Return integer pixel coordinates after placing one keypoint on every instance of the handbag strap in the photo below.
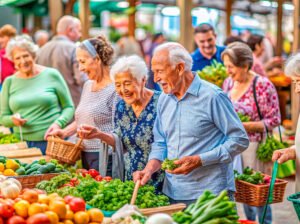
(256, 102)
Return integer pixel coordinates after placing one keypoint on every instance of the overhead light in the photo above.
(123, 4)
(170, 11)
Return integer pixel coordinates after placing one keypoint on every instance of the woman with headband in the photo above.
(97, 102)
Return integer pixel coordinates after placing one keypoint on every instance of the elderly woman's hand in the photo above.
(88, 132)
(17, 120)
(284, 155)
(54, 130)
(186, 165)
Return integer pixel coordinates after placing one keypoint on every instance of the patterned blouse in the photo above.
(96, 109)
(267, 100)
(136, 136)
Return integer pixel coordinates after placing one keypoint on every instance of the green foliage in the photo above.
(249, 176)
(243, 118)
(168, 164)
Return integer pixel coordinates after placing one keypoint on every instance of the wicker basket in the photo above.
(30, 181)
(295, 198)
(256, 195)
(63, 151)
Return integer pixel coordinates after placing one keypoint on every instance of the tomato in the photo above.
(83, 172)
(74, 181)
(6, 210)
(98, 178)
(16, 220)
(93, 173)
(67, 185)
(77, 204)
(107, 178)
(39, 218)
(68, 198)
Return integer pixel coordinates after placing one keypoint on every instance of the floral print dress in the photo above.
(137, 137)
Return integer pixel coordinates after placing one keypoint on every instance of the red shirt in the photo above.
(7, 67)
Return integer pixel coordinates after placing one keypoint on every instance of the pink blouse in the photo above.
(267, 100)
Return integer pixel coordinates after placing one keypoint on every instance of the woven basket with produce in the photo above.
(252, 188)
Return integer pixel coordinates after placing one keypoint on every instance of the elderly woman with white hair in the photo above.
(35, 100)
(292, 69)
(134, 117)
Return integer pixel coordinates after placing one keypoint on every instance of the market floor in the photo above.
(282, 212)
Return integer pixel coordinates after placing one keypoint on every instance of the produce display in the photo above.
(106, 194)
(35, 207)
(215, 73)
(209, 209)
(265, 151)
(243, 118)
(250, 176)
(13, 167)
(168, 164)
(8, 138)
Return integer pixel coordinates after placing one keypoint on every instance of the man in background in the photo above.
(41, 37)
(60, 52)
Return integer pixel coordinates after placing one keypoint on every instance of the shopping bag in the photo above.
(286, 169)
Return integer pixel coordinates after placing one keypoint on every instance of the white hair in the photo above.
(40, 34)
(22, 41)
(132, 64)
(292, 65)
(65, 22)
(177, 54)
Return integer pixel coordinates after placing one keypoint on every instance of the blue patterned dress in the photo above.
(136, 136)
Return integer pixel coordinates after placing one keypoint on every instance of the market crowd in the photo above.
(135, 109)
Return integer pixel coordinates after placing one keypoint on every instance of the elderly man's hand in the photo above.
(186, 165)
(284, 155)
(144, 176)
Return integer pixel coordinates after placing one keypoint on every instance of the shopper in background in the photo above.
(205, 38)
(60, 53)
(35, 100)
(7, 32)
(41, 37)
(97, 103)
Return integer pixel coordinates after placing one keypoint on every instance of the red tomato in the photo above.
(16, 220)
(1, 221)
(39, 218)
(68, 198)
(93, 173)
(98, 178)
(6, 210)
(83, 172)
(107, 178)
(77, 204)
(74, 181)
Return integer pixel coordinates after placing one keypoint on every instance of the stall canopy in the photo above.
(27, 7)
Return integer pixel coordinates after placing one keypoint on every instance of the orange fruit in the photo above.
(68, 222)
(45, 207)
(81, 217)
(95, 215)
(59, 208)
(69, 215)
(31, 196)
(21, 208)
(35, 208)
(52, 216)
(43, 199)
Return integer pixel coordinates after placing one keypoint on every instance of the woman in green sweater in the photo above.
(35, 100)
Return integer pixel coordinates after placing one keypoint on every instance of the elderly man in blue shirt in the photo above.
(207, 51)
(195, 123)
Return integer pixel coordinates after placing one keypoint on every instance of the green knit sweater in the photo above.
(42, 100)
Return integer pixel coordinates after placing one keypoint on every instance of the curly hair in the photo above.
(103, 49)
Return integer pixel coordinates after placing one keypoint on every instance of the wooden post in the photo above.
(69, 7)
(228, 16)
(84, 14)
(55, 11)
(131, 18)
(186, 28)
(279, 28)
(295, 107)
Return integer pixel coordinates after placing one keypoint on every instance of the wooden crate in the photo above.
(170, 209)
(19, 145)
(21, 153)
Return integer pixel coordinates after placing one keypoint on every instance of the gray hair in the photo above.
(177, 54)
(40, 34)
(240, 54)
(65, 22)
(132, 64)
(292, 65)
(22, 41)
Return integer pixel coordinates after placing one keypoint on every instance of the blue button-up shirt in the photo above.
(199, 61)
(202, 123)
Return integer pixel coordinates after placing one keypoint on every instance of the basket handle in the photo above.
(270, 192)
(78, 143)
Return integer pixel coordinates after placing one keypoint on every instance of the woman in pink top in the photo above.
(240, 87)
